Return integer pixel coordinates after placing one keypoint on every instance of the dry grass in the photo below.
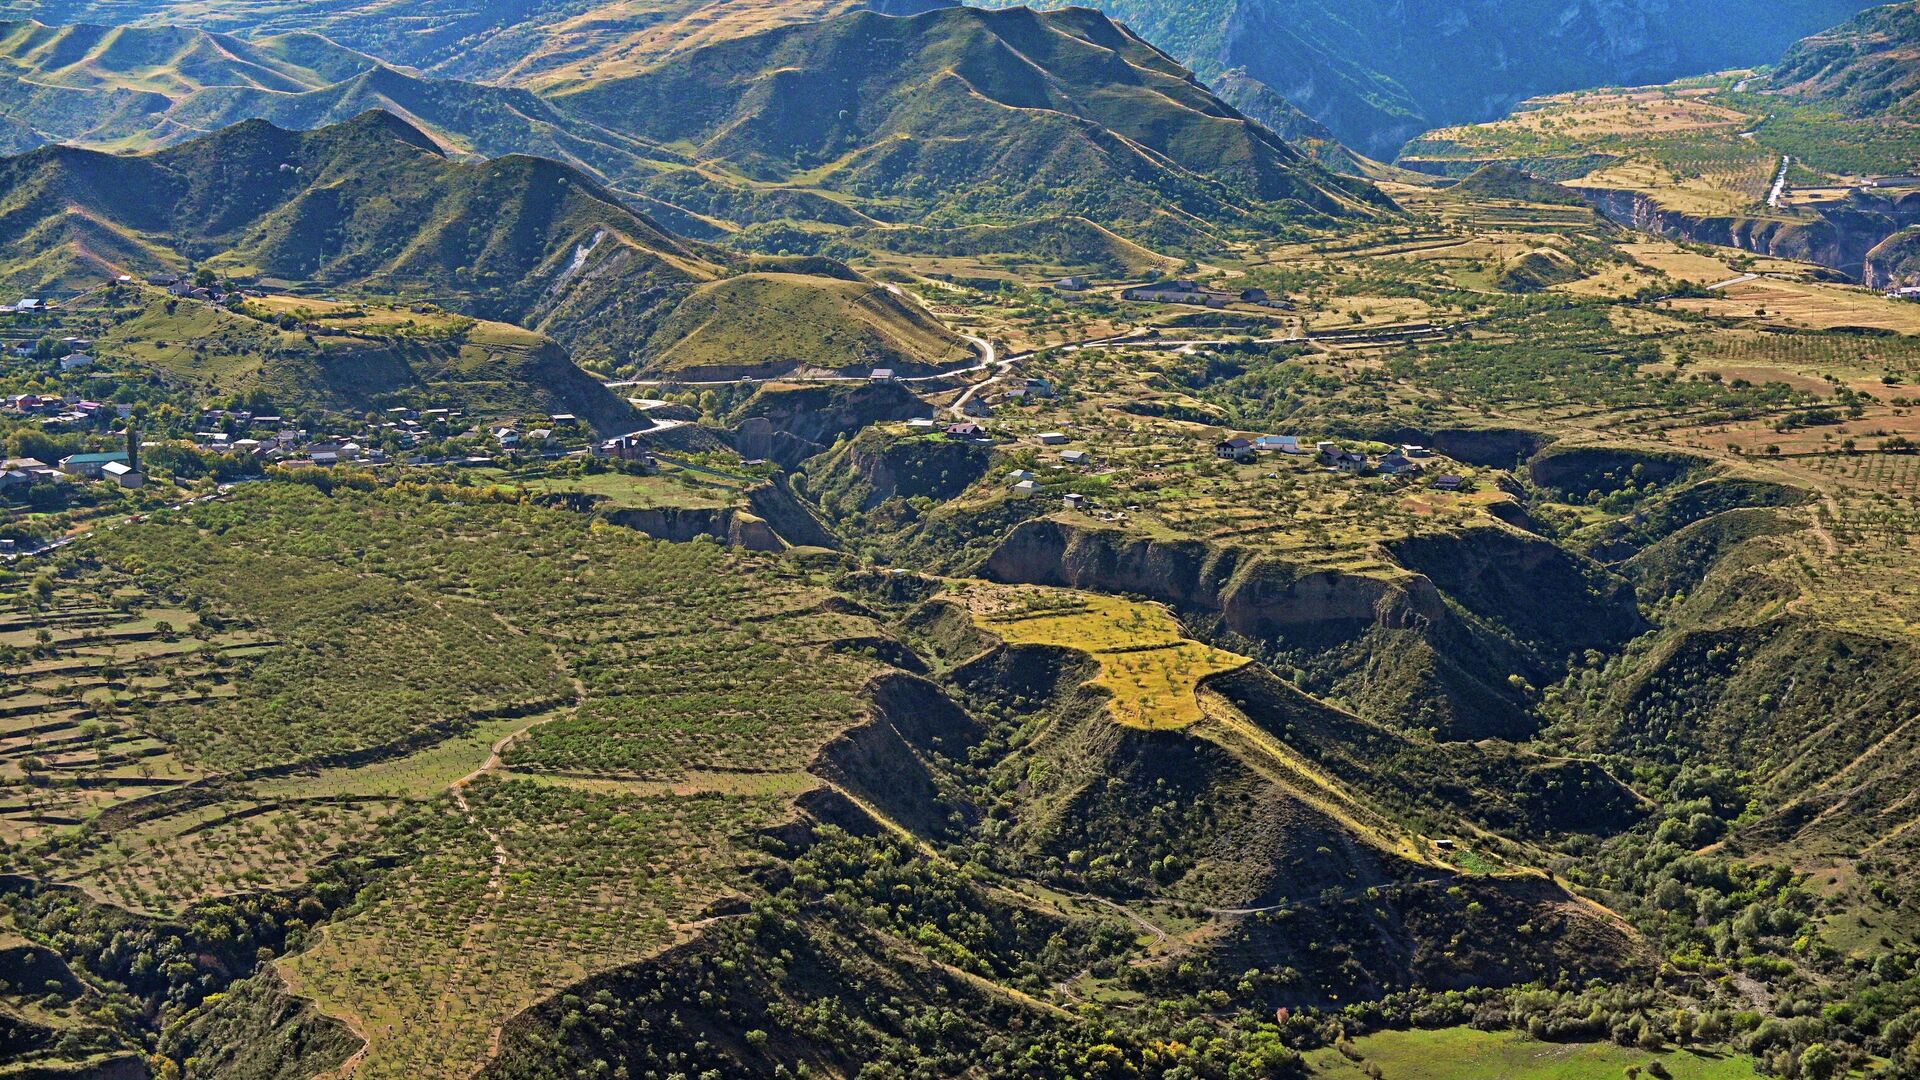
(1808, 305)
(1146, 661)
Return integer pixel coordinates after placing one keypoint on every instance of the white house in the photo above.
(123, 474)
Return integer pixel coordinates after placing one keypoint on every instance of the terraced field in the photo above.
(616, 718)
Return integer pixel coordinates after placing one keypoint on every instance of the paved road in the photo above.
(1730, 282)
(1779, 183)
(988, 357)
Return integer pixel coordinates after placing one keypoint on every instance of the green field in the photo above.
(1469, 1054)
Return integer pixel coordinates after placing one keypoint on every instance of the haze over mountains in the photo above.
(1355, 66)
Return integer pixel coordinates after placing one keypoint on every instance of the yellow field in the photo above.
(1149, 665)
(1809, 304)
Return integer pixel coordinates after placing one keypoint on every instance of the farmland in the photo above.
(1462, 1054)
(552, 685)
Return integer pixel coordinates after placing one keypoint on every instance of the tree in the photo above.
(1818, 1062)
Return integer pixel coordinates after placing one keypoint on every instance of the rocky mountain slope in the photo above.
(1379, 74)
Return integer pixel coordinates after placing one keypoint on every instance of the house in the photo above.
(1071, 284)
(13, 478)
(161, 279)
(540, 436)
(922, 423)
(123, 474)
(965, 431)
(1169, 292)
(1253, 296)
(1052, 438)
(1415, 451)
(1398, 464)
(1278, 444)
(75, 362)
(1907, 292)
(1020, 474)
(976, 407)
(558, 420)
(1448, 482)
(1076, 457)
(625, 448)
(1038, 388)
(31, 304)
(180, 288)
(881, 374)
(1073, 501)
(1026, 489)
(33, 467)
(1234, 449)
(90, 465)
(1327, 450)
(1350, 462)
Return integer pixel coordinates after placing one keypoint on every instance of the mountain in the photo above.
(144, 86)
(959, 116)
(1087, 121)
(371, 204)
(1376, 75)
(1807, 160)
(1379, 74)
(1867, 66)
(520, 41)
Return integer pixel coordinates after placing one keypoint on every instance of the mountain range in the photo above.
(853, 125)
(374, 202)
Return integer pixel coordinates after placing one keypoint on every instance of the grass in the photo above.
(1146, 660)
(1808, 305)
(773, 323)
(622, 491)
(1468, 1054)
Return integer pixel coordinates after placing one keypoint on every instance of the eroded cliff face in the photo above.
(735, 528)
(1255, 594)
(1435, 638)
(1894, 262)
(1840, 236)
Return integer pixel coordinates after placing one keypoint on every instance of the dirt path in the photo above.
(497, 874)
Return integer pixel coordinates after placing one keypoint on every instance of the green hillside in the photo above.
(373, 204)
(484, 370)
(767, 323)
(1866, 66)
(960, 116)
